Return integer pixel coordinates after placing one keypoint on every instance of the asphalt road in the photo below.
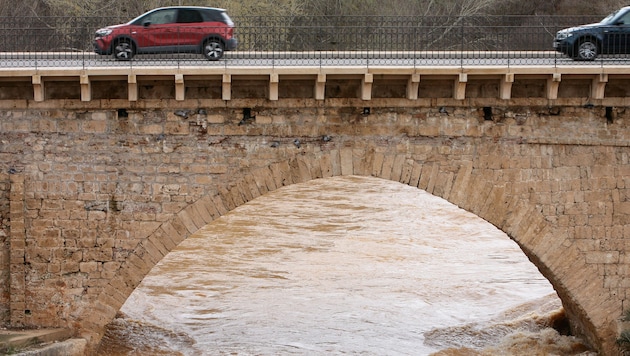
(311, 59)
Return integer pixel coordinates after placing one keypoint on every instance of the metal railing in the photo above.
(319, 41)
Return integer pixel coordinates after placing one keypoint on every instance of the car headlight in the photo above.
(563, 35)
(103, 32)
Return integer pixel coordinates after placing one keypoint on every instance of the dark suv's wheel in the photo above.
(123, 50)
(586, 49)
(213, 49)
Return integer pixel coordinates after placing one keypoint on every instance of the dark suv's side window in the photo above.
(625, 20)
(189, 16)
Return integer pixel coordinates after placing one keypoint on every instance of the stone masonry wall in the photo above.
(100, 179)
(5, 189)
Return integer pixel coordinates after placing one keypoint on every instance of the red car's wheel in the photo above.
(213, 49)
(123, 50)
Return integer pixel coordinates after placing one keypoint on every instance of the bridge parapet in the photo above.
(570, 85)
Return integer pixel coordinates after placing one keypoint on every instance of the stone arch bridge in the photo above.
(103, 172)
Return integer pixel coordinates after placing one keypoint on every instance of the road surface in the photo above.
(309, 59)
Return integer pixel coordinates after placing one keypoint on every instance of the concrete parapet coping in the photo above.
(6, 73)
(89, 55)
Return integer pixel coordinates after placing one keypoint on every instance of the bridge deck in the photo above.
(220, 82)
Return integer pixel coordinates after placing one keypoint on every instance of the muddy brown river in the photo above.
(343, 266)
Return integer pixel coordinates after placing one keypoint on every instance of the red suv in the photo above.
(178, 29)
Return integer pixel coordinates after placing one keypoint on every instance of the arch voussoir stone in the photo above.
(416, 170)
(315, 166)
(495, 206)
(429, 175)
(274, 180)
(376, 163)
(200, 213)
(300, 171)
(186, 218)
(471, 193)
(109, 303)
(325, 165)
(139, 261)
(154, 253)
(346, 160)
(397, 168)
(226, 196)
(219, 205)
(280, 172)
(243, 191)
(388, 164)
(175, 229)
(361, 161)
(444, 184)
(335, 162)
(263, 179)
(235, 192)
(162, 237)
(518, 211)
(405, 174)
(252, 186)
(532, 224)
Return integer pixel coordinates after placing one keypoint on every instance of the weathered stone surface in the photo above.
(91, 199)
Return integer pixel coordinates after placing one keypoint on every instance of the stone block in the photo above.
(602, 257)
(263, 120)
(176, 128)
(216, 119)
(45, 125)
(89, 267)
(152, 129)
(95, 127)
(69, 267)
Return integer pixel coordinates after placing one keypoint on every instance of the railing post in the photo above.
(461, 50)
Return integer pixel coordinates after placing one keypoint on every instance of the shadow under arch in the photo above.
(547, 246)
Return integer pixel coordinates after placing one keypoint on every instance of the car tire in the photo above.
(213, 49)
(586, 50)
(123, 50)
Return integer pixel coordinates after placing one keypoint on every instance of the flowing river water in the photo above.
(344, 265)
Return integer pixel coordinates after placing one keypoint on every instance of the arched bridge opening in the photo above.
(548, 248)
(342, 264)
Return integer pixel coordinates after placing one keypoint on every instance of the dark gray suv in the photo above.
(609, 36)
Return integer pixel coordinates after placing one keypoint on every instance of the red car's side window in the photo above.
(189, 16)
(161, 17)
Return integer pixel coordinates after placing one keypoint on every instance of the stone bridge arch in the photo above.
(546, 243)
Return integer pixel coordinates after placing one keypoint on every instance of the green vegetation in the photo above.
(624, 338)
(11, 350)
